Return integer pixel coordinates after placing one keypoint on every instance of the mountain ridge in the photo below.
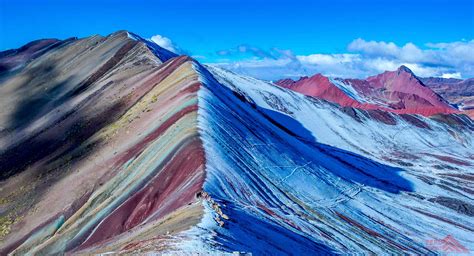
(130, 153)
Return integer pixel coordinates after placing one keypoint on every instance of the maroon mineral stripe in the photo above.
(106, 67)
(369, 231)
(449, 159)
(162, 72)
(412, 119)
(190, 90)
(137, 245)
(382, 116)
(358, 225)
(140, 146)
(273, 214)
(165, 189)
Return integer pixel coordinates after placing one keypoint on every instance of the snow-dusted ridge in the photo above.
(159, 51)
(298, 175)
(348, 89)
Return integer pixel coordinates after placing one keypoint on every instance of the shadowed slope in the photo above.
(111, 165)
(11, 60)
(59, 87)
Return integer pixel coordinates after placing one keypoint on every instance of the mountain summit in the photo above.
(405, 69)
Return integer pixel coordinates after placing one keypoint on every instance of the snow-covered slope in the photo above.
(298, 175)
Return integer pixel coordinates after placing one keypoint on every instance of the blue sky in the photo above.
(214, 30)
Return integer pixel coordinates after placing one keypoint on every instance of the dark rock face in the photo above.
(455, 204)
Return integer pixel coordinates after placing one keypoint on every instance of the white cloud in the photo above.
(456, 75)
(364, 58)
(267, 69)
(423, 71)
(409, 52)
(453, 54)
(166, 43)
(328, 59)
(456, 53)
(373, 47)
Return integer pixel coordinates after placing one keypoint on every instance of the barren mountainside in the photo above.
(456, 91)
(398, 91)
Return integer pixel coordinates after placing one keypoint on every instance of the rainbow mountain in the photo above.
(114, 145)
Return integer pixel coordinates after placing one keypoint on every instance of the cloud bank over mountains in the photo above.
(363, 58)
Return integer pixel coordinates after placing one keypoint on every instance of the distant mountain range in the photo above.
(456, 91)
(115, 145)
(399, 91)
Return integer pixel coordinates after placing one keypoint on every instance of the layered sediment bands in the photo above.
(172, 187)
(298, 183)
(128, 178)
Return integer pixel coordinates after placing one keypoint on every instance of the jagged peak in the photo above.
(405, 69)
